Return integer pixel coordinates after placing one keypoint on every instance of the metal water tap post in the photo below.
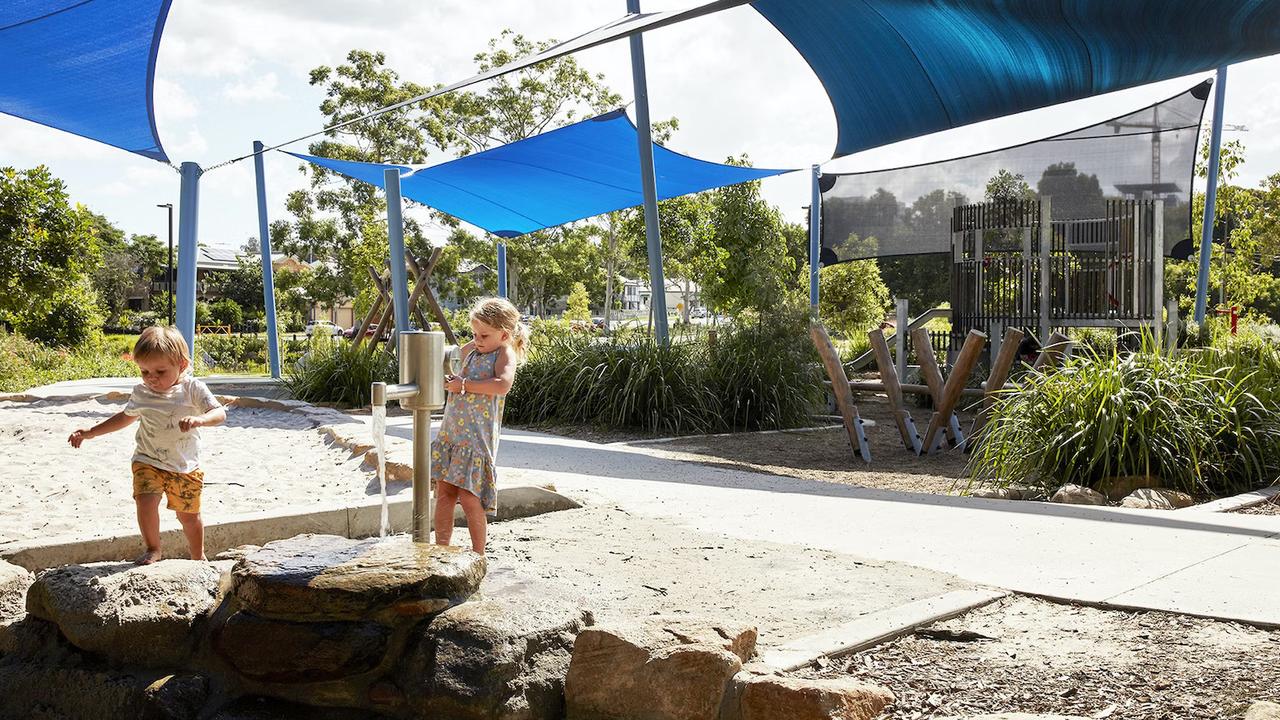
(423, 358)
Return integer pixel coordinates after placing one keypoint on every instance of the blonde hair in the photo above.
(162, 340)
(500, 314)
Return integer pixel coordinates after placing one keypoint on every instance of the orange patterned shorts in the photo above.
(181, 489)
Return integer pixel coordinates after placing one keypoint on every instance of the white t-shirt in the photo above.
(160, 443)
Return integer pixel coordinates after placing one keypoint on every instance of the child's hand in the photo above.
(453, 383)
(189, 422)
(78, 437)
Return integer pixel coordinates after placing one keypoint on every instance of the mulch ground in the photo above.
(1028, 655)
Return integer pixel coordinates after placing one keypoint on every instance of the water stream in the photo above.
(380, 445)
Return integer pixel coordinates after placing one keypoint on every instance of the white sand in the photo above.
(260, 459)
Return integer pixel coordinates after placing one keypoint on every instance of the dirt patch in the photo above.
(826, 455)
(1027, 655)
(630, 566)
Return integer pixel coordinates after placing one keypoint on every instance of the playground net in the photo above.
(1145, 154)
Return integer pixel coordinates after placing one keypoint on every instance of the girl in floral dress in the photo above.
(464, 452)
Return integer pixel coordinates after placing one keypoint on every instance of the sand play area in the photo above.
(260, 459)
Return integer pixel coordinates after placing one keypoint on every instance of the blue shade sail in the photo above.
(84, 66)
(575, 172)
(896, 69)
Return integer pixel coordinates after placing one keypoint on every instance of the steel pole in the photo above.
(395, 234)
(268, 272)
(188, 252)
(644, 141)
(1210, 195)
(502, 269)
(815, 238)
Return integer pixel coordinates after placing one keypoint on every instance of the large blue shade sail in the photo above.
(84, 66)
(579, 171)
(896, 69)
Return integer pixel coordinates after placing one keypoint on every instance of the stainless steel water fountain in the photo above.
(423, 358)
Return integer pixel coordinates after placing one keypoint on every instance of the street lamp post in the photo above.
(168, 278)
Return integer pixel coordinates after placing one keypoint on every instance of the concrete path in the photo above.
(1210, 564)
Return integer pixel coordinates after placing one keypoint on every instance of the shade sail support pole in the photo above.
(502, 269)
(188, 251)
(395, 236)
(815, 238)
(1210, 195)
(268, 272)
(644, 141)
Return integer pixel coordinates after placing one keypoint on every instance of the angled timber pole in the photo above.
(188, 251)
(657, 282)
(1210, 196)
(268, 273)
(815, 239)
(395, 235)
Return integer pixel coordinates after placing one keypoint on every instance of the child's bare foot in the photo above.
(148, 557)
(200, 558)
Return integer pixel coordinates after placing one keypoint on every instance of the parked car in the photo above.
(698, 312)
(323, 327)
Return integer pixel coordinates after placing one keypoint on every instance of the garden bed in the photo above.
(1027, 655)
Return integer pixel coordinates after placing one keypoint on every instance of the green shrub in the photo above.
(340, 372)
(1205, 422)
(70, 319)
(25, 363)
(226, 312)
(754, 376)
(244, 353)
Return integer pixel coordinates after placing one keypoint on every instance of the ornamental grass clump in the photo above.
(751, 377)
(340, 372)
(1196, 421)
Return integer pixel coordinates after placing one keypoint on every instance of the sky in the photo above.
(234, 71)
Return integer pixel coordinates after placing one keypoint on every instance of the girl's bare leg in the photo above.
(446, 498)
(477, 523)
(149, 524)
(193, 528)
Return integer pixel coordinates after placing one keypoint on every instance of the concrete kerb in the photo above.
(1236, 502)
(355, 521)
(877, 627)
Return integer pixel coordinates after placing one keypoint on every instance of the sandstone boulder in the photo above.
(28, 690)
(1157, 499)
(327, 577)
(1263, 710)
(14, 582)
(1017, 716)
(282, 651)
(1120, 486)
(129, 614)
(763, 697)
(1078, 495)
(257, 708)
(657, 669)
(502, 657)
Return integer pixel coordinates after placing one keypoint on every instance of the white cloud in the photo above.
(263, 87)
(172, 102)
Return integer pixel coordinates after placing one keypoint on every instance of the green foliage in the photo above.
(1205, 422)
(245, 353)
(340, 372)
(204, 314)
(579, 304)
(851, 297)
(756, 375)
(25, 363)
(49, 248)
(226, 311)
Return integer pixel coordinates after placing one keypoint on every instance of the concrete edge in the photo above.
(1236, 502)
(877, 627)
(1138, 607)
(353, 521)
(677, 438)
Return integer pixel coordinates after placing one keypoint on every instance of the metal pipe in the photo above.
(395, 236)
(1210, 195)
(653, 235)
(188, 252)
(268, 272)
(422, 476)
(815, 238)
(502, 269)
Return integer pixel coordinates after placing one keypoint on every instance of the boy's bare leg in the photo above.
(149, 523)
(193, 528)
(446, 498)
(477, 523)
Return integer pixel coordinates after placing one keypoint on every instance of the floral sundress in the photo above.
(465, 450)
